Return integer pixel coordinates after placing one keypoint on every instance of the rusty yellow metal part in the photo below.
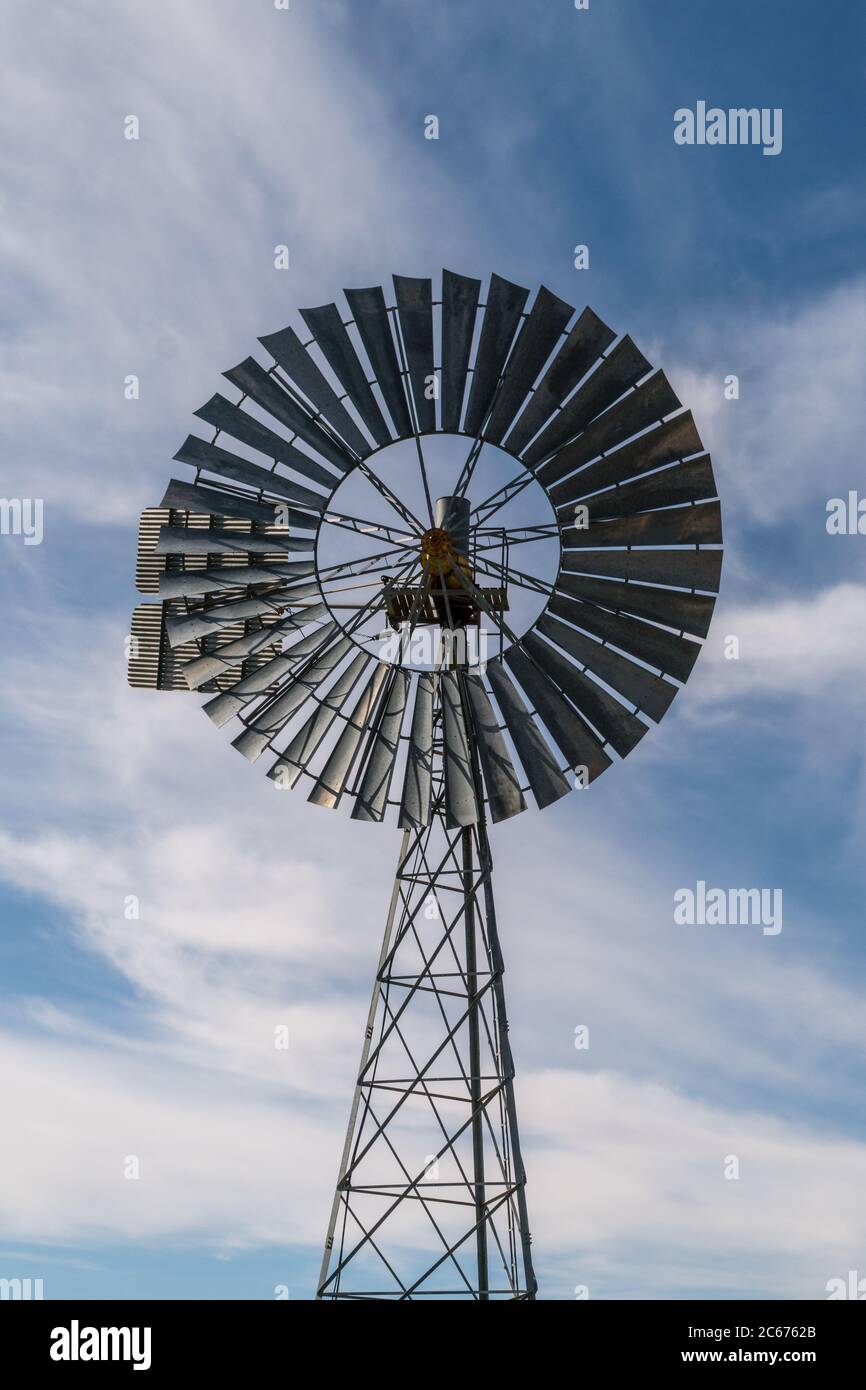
(438, 553)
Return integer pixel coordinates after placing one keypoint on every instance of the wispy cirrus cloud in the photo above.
(795, 436)
(160, 261)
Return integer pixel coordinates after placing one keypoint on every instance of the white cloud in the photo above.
(795, 649)
(795, 436)
(216, 1165)
(623, 1175)
(630, 1178)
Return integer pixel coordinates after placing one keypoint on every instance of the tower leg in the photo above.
(510, 1105)
(474, 1028)
(365, 1052)
(430, 1200)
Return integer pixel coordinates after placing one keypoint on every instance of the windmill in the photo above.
(440, 557)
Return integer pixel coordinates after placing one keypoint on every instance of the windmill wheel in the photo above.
(441, 527)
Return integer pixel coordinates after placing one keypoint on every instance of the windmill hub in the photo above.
(440, 552)
(447, 567)
(437, 550)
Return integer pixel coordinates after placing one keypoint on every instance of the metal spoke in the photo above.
(417, 607)
(391, 497)
(348, 588)
(363, 566)
(469, 465)
(361, 464)
(501, 497)
(478, 598)
(424, 479)
(413, 413)
(348, 629)
(519, 535)
(374, 529)
(521, 579)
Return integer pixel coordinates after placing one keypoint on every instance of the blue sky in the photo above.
(260, 127)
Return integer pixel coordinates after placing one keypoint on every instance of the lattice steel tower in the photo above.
(340, 582)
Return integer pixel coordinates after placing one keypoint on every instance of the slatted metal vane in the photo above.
(250, 614)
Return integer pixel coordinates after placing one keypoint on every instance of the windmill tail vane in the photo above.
(545, 518)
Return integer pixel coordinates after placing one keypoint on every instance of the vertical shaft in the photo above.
(475, 1063)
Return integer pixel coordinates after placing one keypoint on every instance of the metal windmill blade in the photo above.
(410, 641)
